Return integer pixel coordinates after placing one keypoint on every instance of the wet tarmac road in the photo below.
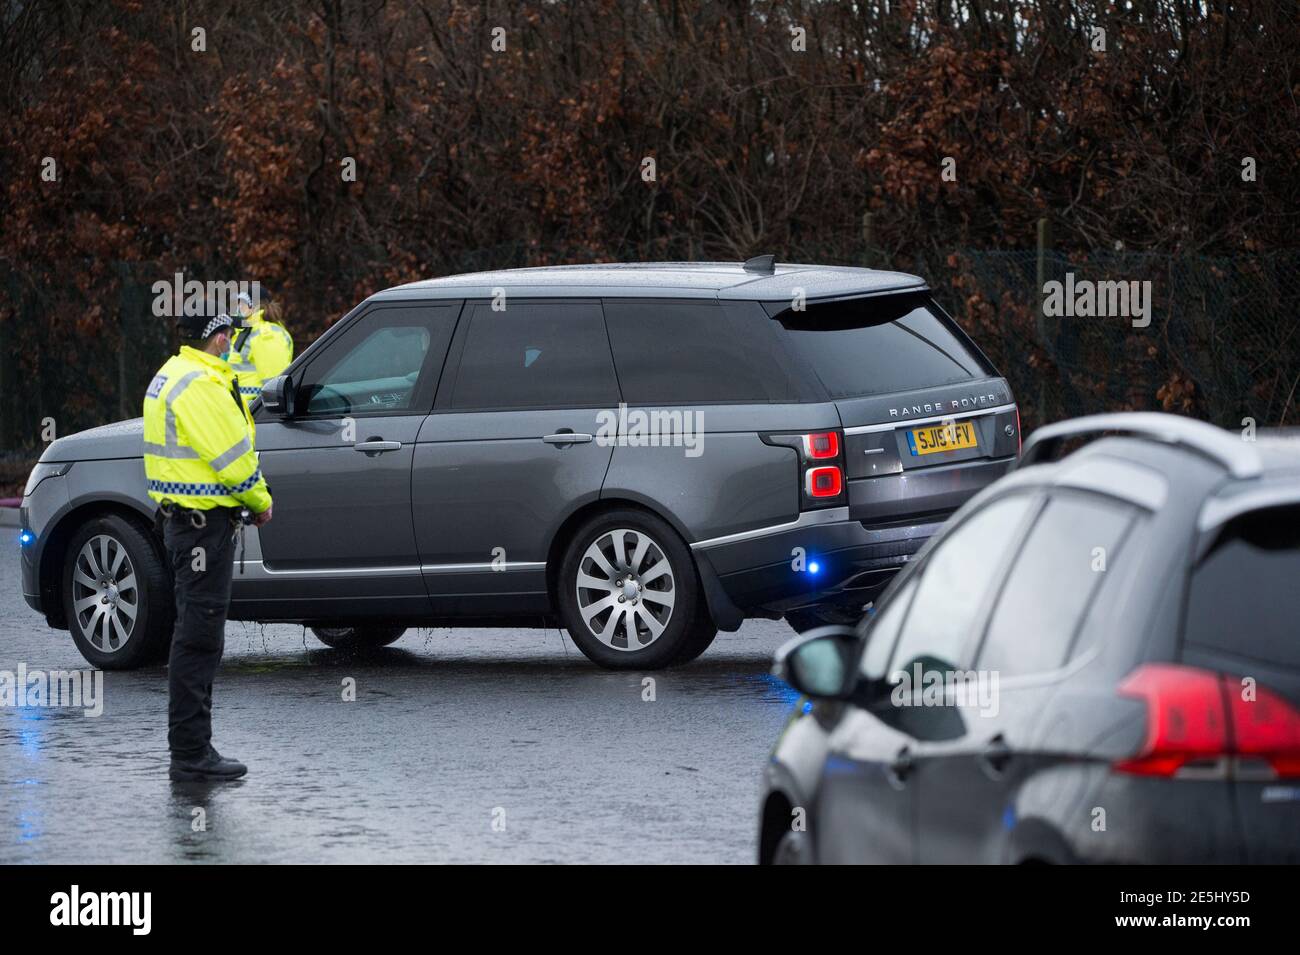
(450, 732)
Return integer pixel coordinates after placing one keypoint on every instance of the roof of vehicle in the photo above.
(1143, 455)
(1279, 449)
(1240, 454)
(723, 280)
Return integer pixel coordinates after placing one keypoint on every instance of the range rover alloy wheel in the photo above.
(105, 593)
(625, 589)
(117, 594)
(629, 594)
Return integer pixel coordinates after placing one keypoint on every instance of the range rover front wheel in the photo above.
(117, 594)
(629, 595)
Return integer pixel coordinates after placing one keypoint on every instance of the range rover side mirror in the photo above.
(277, 396)
(820, 663)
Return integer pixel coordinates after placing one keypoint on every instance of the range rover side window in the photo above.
(1051, 584)
(376, 365)
(681, 352)
(959, 576)
(535, 355)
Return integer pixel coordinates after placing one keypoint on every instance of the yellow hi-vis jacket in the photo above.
(198, 437)
(258, 353)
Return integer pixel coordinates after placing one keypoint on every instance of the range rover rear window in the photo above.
(882, 344)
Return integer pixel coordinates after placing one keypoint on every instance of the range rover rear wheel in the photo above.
(117, 594)
(700, 638)
(629, 595)
(358, 638)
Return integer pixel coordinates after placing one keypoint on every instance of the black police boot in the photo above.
(209, 767)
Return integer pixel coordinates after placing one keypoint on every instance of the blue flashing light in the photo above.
(25, 537)
(814, 567)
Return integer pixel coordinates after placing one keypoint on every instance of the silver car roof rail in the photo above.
(1235, 455)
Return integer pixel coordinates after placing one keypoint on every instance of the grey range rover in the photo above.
(643, 454)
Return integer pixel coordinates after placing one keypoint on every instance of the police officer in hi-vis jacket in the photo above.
(202, 470)
(261, 348)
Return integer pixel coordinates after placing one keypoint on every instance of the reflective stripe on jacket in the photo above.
(198, 437)
(259, 352)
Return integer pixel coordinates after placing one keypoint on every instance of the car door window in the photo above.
(1243, 599)
(535, 355)
(1072, 545)
(674, 352)
(883, 632)
(958, 577)
(384, 362)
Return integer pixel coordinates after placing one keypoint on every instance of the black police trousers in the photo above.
(202, 560)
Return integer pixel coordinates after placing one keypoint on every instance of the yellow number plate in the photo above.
(942, 437)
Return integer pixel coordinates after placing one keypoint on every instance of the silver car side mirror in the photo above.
(820, 663)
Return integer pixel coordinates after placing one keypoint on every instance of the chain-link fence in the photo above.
(1217, 338)
(1221, 343)
(61, 372)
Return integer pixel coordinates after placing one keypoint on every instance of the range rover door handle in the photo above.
(377, 446)
(565, 437)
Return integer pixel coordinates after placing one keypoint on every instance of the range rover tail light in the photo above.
(821, 445)
(820, 462)
(826, 481)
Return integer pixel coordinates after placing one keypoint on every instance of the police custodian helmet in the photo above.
(205, 324)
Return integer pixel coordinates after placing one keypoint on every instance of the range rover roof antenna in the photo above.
(761, 263)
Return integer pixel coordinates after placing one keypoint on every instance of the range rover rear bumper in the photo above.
(842, 555)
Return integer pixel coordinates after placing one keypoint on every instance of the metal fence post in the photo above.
(1044, 243)
(6, 338)
(1040, 277)
(9, 344)
(121, 371)
(124, 303)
